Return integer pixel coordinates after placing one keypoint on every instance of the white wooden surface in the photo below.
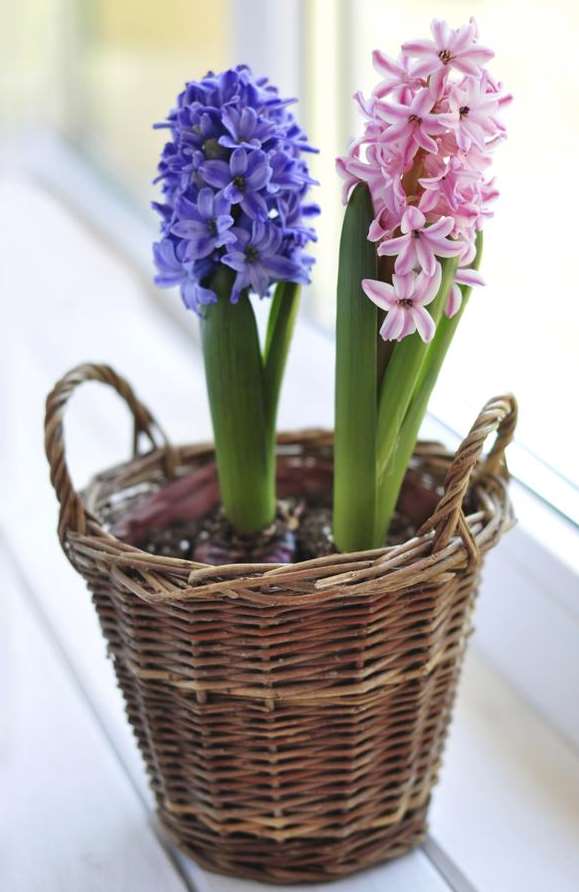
(506, 815)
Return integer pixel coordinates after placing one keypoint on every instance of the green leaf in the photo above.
(280, 327)
(235, 383)
(356, 385)
(402, 373)
(391, 481)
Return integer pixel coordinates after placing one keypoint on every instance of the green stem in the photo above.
(235, 382)
(391, 482)
(356, 385)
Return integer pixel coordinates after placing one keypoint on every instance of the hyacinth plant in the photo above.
(234, 222)
(417, 191)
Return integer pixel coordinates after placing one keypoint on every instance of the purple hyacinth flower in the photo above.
(241, 180)
(204, 226)
(257, 259)
(233, 160)
(245, 129)
(172, 270)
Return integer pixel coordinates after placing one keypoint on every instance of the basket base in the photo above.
(303, 860)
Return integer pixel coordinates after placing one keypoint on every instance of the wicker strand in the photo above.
(73, 514)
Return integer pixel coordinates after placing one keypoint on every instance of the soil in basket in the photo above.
(183, 519)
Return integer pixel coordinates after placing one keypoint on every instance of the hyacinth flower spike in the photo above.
(235, 190)
(417, 192)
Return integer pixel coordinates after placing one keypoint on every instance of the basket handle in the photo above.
(73, 514)
(498, 416)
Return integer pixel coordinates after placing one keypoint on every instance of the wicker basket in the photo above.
(291, 717)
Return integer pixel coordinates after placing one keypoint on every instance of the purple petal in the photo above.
(259, 177)
(221, 205)
(189, 228)
(238, 162)
(233, 193)
(259, 278)
(216, 173)
(236, 260)
(254, 206)
(205, 203)
(282, 269)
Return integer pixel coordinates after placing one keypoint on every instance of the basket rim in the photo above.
(348, 569)
(447, 541)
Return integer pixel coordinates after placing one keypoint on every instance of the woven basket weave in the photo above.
(291, 717)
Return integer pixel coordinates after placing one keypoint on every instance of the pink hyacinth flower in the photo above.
(451, 48)
(420, 244)
(398, 77)
(414, 124)
(405, 301)
(475, 111)
(470, 277)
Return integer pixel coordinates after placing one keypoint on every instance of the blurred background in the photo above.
(82, 82)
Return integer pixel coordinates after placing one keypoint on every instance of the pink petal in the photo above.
(422, 139)
(424, 323)
(429, 200)
(409, 325)
(428, 66)
(441, 228)
(423, 102)
(465, 66)
(391, 246)
(412, 219)
(420, 48)
(425, 256)
(393, 112)
(398, 131)
(403, 286)
(393, 325)
(478, 54)
(441, 33)
(376, 230)
(470, 277)
(406, 259)
(443, 247)
(463, 38)
(380, 293)
(385, 65)
(427, 287)
(454, 301)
